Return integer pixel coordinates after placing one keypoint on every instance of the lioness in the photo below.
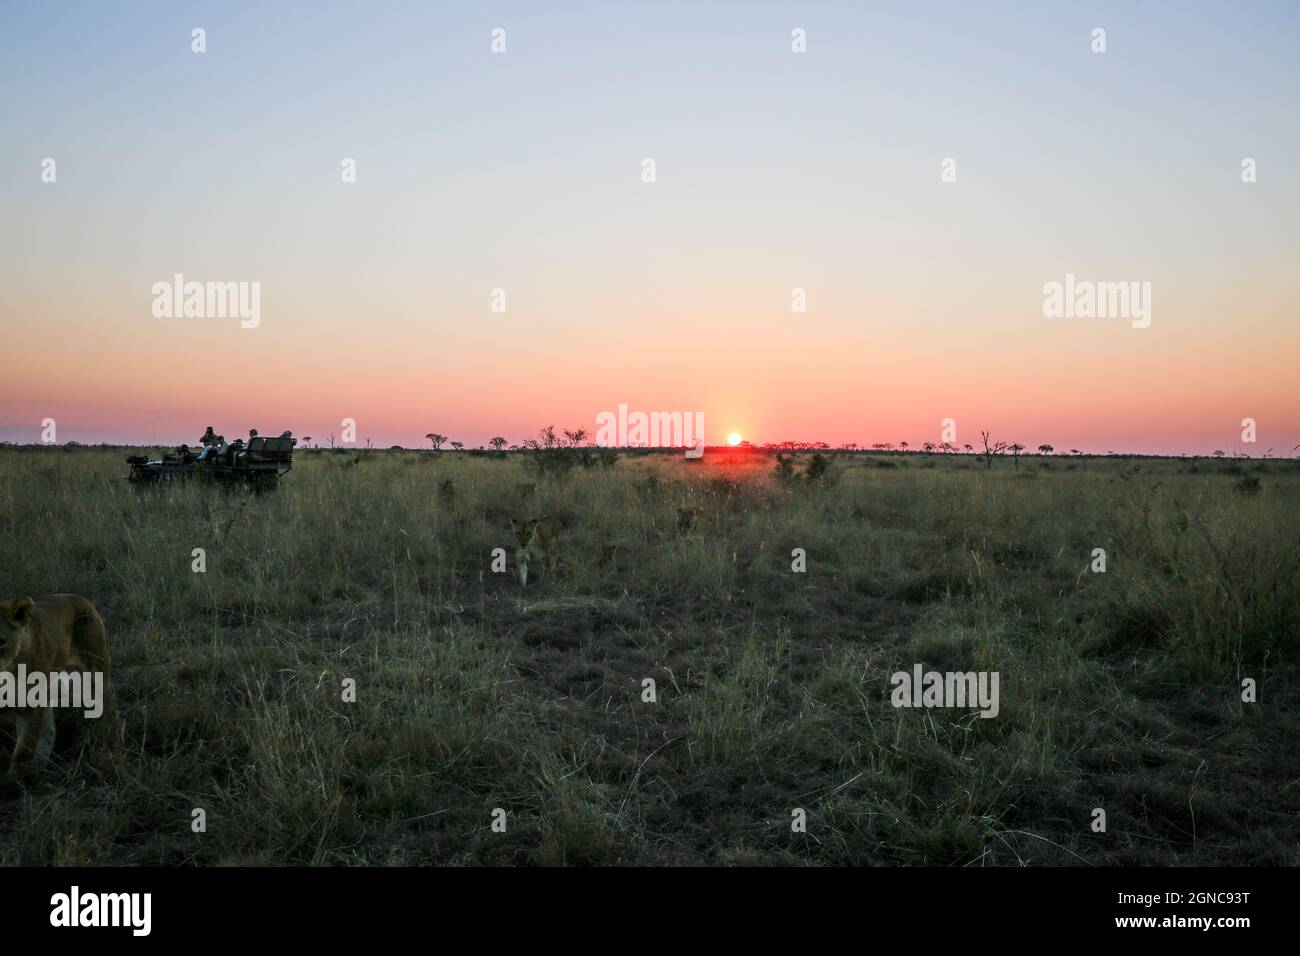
(50, 634)
(539, 539)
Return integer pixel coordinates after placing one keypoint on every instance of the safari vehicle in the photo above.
(258, 465)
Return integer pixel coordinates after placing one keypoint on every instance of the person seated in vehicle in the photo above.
(214, 451)
(234, 450)
(209, 438)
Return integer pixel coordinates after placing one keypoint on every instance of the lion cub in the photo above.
(49, 635)
(539, 540)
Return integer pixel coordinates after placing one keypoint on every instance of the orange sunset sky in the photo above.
(775, 170)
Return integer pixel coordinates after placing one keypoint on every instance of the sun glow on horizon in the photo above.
(733, 439)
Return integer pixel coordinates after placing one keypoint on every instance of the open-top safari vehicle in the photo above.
(259, 465)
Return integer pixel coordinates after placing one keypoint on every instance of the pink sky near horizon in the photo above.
(974, 349)
(1125, 400)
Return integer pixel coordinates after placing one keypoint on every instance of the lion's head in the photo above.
(15, 616)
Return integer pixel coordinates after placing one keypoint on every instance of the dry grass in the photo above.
(1118, 690)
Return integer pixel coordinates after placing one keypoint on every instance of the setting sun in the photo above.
(733, 438)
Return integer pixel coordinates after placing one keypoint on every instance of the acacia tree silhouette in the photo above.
(991, 449)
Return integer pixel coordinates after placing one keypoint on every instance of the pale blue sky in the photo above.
(775, 170)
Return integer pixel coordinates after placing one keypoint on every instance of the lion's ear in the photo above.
(19, 610)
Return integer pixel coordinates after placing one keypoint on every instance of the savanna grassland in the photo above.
(1119, 690)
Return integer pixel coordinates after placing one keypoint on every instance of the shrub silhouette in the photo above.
(785, 471)
(819, 470)
(1247, 485)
